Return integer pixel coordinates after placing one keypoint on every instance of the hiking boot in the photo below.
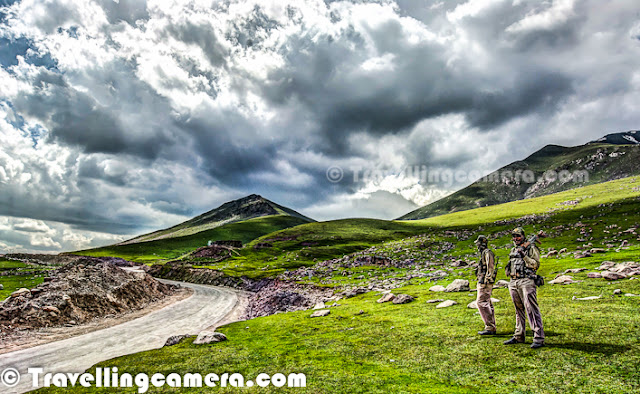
(486, 332)
(536, 345)
(512, 341)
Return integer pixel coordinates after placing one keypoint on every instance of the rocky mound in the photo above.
(78, 292)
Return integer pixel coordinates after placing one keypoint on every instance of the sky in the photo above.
(118, 118)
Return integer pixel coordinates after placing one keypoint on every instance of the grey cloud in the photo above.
(129, 11)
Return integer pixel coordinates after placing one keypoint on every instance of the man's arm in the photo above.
(532, 258)
(491, 262)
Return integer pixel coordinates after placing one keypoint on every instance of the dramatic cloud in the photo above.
(120, 117)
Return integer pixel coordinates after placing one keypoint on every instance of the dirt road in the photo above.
(208, 306)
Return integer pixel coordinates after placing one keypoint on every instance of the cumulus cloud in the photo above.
(118, 118)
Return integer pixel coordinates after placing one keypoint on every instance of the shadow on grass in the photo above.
(602, 348)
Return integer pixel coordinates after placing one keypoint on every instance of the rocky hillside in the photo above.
(249, 207)
(78, 292)
(611, 157)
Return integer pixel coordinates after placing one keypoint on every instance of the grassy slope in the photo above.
(592, 346)
(171, 248)
(339, 237)
(559, 158)
(12, 283)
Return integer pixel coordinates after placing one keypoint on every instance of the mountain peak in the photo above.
(631, 137)
(245, 208)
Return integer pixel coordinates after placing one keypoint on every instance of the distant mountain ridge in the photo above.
(626, 138)
(245, 208)
(611, 157)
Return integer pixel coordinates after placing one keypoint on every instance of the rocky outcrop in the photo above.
(80, 291)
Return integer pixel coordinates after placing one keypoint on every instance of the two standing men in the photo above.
(524, 260)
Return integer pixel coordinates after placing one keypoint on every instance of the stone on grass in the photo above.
(501, 283)
(594, 275)
(446, 304)
(175, 339)
(597, 250)
(319, 305)
(458, 285)
(574, 270)
(631, 295)
(605, 265)
(437, 288)
(321, 313)
(562, 280)
(586, 298)
(617, 291)
(474, 304)
(206, 337)
(608, 275)
(434, 301)
(1, 286)
(386, 298)
(403, 299)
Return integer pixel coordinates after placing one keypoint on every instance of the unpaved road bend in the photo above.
(208, 306)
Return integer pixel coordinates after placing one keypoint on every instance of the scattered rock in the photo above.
(206, 337)
(446, 304)
(501, 283)
(594, 275)
(563, 250)
(586, 298)
(608, 275)
(582, 255)
(321, 313)
(597, 250)
(1, 286)
(458, 285)
(624, 243)
(631, 295)
(474, 304)
(605, 265)
(319, 305)
(574, 270)
(21, 292)
(434, 301)
(437, 288)
(617, 291)
(51, 308)
(459, 263)
(176, 339)
(562, 280)
(403, 299)
(386, 298)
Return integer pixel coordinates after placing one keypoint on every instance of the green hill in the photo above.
(599, 161)
(174, 247)
(249, 207)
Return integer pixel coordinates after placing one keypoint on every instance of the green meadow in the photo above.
(592, 346)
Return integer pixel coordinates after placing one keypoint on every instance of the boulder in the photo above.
(176, 339)
(21, 292)
(437, 288)
(594, 275)
(386, 298)
(458, 285)
(574, 270)
(582, 255)
(501, 283)
(608, 275)
(563, 250)
(206, 337)
(562, 280)
(51, 308)
(597, 250)
(617, 291)
(321, 313)
(434, 301)
(446, 304)
(403, 299)
(605, 265)
(1, 286)
(459, 263)
(319, 305)
(474, 304)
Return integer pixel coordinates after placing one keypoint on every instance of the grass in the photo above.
(11, 264)
(591, 346)
(12, 283)
(172, 248)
